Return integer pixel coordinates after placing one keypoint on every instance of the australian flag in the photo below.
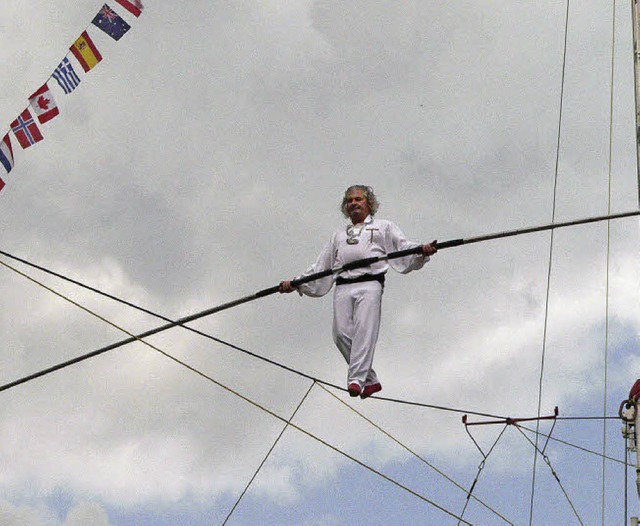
(111, 23)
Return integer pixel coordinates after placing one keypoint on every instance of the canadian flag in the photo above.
(43, 104)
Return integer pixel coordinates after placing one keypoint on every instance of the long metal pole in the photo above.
(529, 230)
(635, 22)
(272, 290)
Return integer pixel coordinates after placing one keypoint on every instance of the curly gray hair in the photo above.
(372, 200)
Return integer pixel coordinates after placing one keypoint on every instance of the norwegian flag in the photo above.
(43, 104)
(26, 130)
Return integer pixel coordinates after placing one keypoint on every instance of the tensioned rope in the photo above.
(289, 421)
(246, 399)
(264, 460)
(553, 471)
(575, 446)
(48, 271)
(401, 401)
(588, 418)
(551, 240)
(480, 466)
(181, 323)
(608, 258)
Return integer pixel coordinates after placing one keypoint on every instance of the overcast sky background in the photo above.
(204, 159)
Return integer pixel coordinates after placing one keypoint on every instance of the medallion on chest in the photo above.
(354, 232)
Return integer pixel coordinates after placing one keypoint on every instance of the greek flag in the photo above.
(66, 76)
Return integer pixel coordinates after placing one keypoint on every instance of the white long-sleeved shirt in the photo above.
(376, 237)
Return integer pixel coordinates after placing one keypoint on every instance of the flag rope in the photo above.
(25, 128)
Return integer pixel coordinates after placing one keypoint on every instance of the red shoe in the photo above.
(354, 389)
(369, 390)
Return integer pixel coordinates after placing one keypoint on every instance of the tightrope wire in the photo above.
(182, 323)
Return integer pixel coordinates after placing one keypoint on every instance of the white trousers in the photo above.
(356, 324)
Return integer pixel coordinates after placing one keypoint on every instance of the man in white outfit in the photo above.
(358, 296)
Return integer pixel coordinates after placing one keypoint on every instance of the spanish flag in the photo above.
(86, 52)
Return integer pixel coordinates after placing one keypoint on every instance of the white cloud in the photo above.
(87, 513)
(81, 514)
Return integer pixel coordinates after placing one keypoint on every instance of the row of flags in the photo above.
(42, 105)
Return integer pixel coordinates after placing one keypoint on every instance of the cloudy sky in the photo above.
(204, 159)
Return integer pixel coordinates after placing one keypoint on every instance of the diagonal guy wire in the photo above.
(268, 453)
(246, 399)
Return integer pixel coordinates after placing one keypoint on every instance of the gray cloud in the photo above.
(204, 160)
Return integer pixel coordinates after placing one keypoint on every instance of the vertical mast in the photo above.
(636, 68)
